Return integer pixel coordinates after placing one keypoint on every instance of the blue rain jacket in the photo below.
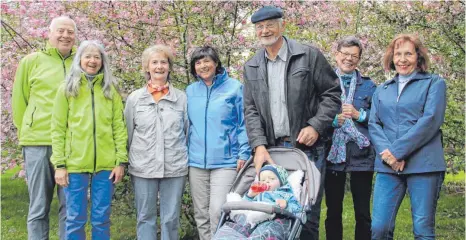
(217, 135)
(409, 125)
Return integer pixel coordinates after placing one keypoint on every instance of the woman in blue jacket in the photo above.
(217, 141)
(406, 115)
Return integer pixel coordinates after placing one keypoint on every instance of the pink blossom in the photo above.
(302, 21)
(241, 38)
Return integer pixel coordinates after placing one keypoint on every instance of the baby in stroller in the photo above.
(279, 193)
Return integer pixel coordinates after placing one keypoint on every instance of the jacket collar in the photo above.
(418, 76)
(218, 79)
(358, 76)
(53, 51)
(171, 96)
(294, 49)
(97, 79)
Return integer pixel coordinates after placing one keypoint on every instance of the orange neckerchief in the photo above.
(157, 92)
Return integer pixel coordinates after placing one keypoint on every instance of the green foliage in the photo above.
(455, 178)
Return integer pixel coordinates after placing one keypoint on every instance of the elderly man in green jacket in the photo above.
(37, 79)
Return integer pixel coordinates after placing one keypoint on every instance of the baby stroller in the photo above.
(291, 159)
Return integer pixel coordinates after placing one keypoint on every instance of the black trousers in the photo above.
(361, 188)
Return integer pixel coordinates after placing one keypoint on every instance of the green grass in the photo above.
(455, 178)
(14, 206)
(450, 218)
(14, 209)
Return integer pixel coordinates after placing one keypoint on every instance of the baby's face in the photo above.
(269, 178)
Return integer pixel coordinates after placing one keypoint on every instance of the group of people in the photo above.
(77, 133)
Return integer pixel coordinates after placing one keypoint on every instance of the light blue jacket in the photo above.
(284, 192)
(410, 126)
(217, 135)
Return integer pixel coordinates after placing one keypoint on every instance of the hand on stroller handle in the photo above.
(261, 156)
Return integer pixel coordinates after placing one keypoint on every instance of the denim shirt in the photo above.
(409, 126)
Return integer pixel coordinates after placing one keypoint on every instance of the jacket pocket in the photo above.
(366, 153)
(32, 117)
(143, 118)
(299, 73)
(174, 116)
(229, 144)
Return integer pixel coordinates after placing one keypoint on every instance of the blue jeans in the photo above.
(316, 155)
(76, 205)
(146, 195)
(389, 191)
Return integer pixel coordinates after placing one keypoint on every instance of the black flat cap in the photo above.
(265, 13)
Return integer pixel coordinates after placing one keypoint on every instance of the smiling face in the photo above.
(62, 36)
(205, 68)
(91, 60)
(405, 57)
(347, 59)
(159, 67)
(269, 31)
(269, 178)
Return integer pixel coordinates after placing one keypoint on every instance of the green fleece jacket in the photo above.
(37, 79)
(88, 131)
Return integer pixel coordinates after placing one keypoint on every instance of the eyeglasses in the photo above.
(355, 57)
(269, 25)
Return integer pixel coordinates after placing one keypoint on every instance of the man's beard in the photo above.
(269, 42)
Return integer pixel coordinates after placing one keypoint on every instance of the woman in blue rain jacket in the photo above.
(217, 140)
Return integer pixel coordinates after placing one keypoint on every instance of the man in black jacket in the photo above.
(291, 96)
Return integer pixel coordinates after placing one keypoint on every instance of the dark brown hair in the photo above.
(421, 51)
(202, 52)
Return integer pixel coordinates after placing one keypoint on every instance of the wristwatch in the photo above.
(60, 166)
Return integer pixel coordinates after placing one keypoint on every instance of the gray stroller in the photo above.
(291, 159)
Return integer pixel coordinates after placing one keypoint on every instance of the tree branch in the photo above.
(6, 25)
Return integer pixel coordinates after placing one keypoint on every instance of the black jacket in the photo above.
(312, 94)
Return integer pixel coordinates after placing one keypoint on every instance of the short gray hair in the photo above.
(55, 20)
(151, 50)
(280, 21)
(73, 80)
(350, 41)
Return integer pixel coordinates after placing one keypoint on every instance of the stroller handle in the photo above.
(256, 206)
